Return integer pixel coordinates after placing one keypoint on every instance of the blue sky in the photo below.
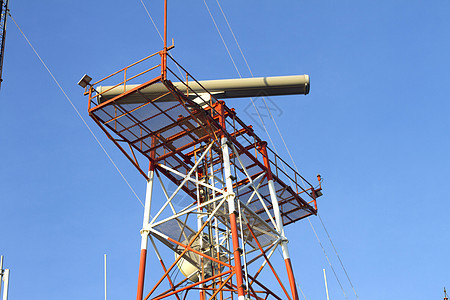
(375, 126)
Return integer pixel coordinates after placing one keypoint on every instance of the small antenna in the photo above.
(1, 274)
(326, 284)
(4, 278)
(445, 294)
(105, 274)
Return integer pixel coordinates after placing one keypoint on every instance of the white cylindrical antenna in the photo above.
(326, 284)
(105, 275)
(1, 273)
(221, 89)
(5, 284)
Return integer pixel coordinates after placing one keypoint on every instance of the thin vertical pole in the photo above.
(6, 284)
(164, 58)
(105, 273)
(326, 284)
(165, 24)
(1, 273)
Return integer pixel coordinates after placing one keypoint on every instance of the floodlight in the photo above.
(84, 81)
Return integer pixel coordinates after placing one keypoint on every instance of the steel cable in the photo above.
(264, 98)
(342, 265)
(154, 24)
(282, 138)
(239, 73)
(325, 253)
(76, 110)
(159, 33)
(237, 70)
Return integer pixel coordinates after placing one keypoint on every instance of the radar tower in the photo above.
(234, 195)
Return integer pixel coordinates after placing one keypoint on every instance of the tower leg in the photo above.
(284, 241)
(233, 223)
(144, 235)
(279, 221)
(142, 262)
(290, 272)
(199, 227)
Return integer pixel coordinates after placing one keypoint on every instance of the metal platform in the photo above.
(170, 126)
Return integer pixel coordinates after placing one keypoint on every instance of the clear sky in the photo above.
(375, 126)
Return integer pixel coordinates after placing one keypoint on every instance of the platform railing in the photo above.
(283, 169)
(122, 77)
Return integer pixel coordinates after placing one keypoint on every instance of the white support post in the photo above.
(284, 240)
(105, 274)
(233, 223)
(275, 206)
(144, 234)
(1, 273)
(147, 209)
(326, 284)
(228, 180)
(279, 222)
(5, 284)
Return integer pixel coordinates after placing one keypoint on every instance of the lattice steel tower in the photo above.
(233, 196)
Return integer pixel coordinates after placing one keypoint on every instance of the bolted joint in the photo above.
(231, 196)
(225, 141)
(262, 145)
(145, 231)
(238, 249)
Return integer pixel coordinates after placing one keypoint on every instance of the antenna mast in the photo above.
(445, 294)
(164, 52)
(326, 283)
(4, 278)
(4, 13)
